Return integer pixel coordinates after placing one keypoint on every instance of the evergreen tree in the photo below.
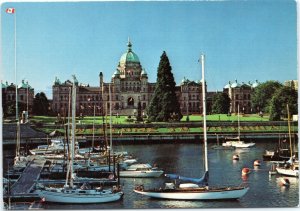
(41, 104)
(164, 105)
(221, 103)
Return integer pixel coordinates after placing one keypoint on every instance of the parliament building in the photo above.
(129, 86)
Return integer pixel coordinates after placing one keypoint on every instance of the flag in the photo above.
(10, 10)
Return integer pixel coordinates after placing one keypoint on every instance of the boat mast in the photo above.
(239, 131)
(289, 125)
(110, 120)
(204, 113)
(73, 127)
(68, 138)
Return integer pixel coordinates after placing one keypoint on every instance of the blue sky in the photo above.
(243, 40)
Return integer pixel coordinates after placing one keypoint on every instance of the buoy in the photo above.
(235, 157)
(245, 171)
(284, 181)
(257, 163)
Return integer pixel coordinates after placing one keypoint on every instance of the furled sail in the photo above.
(202, 180)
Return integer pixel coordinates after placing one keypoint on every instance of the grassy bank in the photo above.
(121, 125)
(126, 120)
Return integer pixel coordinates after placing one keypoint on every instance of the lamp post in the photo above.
(27, 111)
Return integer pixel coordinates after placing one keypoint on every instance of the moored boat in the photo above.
(200, 188)
(141, 170)
(70, 193)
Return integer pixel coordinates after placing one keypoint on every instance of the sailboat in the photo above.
(291, 167)
(236, 141)
(71, 193)
(195, 189)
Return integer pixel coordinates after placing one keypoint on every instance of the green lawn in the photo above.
(123, 119)
(225, 117)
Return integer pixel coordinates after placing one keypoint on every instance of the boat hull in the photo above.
(60, 197)
(202, 194)
(288, 172)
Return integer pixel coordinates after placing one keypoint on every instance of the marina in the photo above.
(190, 164)
(83, 130)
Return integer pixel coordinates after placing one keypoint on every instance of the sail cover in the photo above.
(202, 180)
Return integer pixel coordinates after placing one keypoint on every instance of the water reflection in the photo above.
(187, 160)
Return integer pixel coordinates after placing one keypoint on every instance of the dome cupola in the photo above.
(129, 56)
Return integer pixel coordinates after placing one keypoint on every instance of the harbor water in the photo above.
(187, 160)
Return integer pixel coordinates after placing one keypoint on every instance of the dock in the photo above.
(25, 183)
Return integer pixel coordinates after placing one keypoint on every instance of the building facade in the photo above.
(129, 86)
(240, 96)
(25, 95)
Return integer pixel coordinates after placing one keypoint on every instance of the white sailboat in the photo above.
(236, 141)
(70, 193)
(193, 190)
(291, 167)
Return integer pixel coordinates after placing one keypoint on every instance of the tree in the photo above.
(10, 108)
(139, 112)
(262, 95)
(164, 105)
(41, 104)
(283, 96)
(221, 103)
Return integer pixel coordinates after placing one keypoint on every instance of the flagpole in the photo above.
(15, 25)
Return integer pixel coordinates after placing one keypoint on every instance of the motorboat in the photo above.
(141, 170)
(289, 169)
(56, 146)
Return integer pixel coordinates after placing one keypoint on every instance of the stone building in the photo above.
(129, 86)
(240, 95)
(25, 95)
(190, 96)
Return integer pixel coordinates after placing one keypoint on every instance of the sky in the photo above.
(242, 40)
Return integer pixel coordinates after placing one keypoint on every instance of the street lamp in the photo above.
(27, 111)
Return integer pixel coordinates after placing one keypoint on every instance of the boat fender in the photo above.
(139, 187)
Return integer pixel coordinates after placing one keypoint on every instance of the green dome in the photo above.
(129, 56)
(24, 85)
(4, 85)
(116, 74)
